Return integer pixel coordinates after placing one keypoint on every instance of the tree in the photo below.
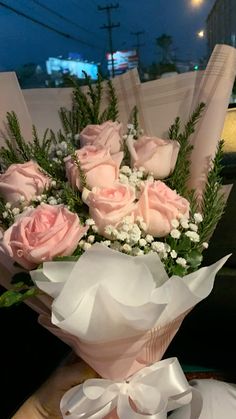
(164, 42)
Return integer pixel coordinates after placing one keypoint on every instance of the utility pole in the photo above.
(138, 44)
(110, 25)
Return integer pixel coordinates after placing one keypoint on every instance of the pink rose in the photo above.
(154, 154)
(159, 205)
(100, 168)
(107, 134)
(25, 180)
(107, 206)
(43, 233)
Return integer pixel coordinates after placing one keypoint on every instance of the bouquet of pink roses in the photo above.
(104, 219)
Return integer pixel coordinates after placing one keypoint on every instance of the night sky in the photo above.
(23, 41)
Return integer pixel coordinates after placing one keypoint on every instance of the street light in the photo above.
(196, 3)
(201, 34)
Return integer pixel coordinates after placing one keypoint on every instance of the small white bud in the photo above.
(198, 217)
(149, 238)
(173, 254)
(15, 211)
(89, 222)
(142, 242)
(91, 238)
(86, 246)
(175, 223)
(193, 227)
(181, 262)
(175, 233)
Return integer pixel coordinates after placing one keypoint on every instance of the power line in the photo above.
(38, 22)
(109, 27)
(61, 16)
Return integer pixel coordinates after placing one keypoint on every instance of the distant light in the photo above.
(196, 67)
(196, 3)
(201, 34)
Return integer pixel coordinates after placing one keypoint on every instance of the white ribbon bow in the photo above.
(152, 391)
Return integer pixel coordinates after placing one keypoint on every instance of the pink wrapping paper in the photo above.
(137, 352)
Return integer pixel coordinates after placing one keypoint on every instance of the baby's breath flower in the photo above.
(53, 183)
(76, 137)
(205, 245)
(142, 242)
(193, 236)
(158, 247)
(173, 254)
(150, 178)
(184, 223)
(107, 243)
(143, 226)
(95, 228)
(127, 220)
(175, 233)
(181, 261)
(175, 223)
(123, 179)
(5, 214)
(130, 126)
(122, 235)
(63, 146)
(86, 246)
(8, 205)
(126, 170)
(198, 217)
(59, 153)
(52, 201)
(167, 248)
(89, 222)
(139, 174)
(91, 238)
(126, 248)
(15, 211)
(38, 198)
(193, 227)
(149, 238)
(133, 180)
(22, 198)
(81, 243)
(125, 227)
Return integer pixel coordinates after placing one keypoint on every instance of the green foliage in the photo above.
(213, 201)
(22, 278)
(86, 106)
(22, 289)
(11, 297)
(180, 176)
(72, 198)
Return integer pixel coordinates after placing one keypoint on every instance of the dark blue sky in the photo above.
(23, 41)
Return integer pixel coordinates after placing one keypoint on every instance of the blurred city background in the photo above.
(44, 41)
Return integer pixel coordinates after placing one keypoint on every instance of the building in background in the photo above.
(58, 67)
(123, 61)
(221, 24)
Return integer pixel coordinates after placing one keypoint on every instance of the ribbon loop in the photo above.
(151, 392)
